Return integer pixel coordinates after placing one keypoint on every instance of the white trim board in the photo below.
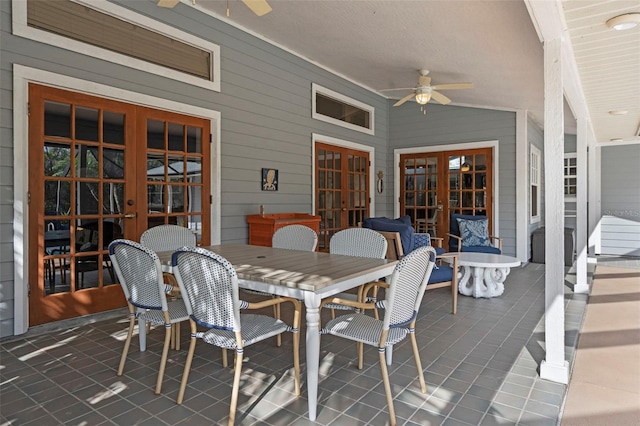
(315, 137)
(22, 76)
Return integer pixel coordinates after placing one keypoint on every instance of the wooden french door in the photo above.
(100, 170)
(436, 184)
(342, 189)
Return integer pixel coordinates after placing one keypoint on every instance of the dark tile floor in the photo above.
(481, 367)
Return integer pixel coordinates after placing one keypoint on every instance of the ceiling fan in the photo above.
(259, 7)
(424, 91)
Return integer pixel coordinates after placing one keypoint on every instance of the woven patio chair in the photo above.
(209, 286)
(443, 274)
(169, 238)
(362, 242)
(140, 274)
(290, 237)
(403, 298)
(295, 237)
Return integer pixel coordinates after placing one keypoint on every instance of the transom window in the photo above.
(334, 108)
(110, 32)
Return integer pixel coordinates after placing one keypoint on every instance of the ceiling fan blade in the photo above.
(168, 3)
(450, 86)
(397, 88)
(405, 99)
(259, 7)
(424, 80)
(439, 97)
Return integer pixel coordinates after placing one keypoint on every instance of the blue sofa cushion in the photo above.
(474, 232)
(402, 225)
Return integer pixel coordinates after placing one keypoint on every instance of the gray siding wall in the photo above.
(535, 137)
(620, 194)
(450, 125)
(265, 105)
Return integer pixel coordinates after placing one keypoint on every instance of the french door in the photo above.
(342, 189)
(436, 184)
(100, 170)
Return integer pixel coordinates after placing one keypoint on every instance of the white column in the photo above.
(594, 201)
(582, 285)
(554, 367)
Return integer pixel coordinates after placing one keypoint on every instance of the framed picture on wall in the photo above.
(269, 179)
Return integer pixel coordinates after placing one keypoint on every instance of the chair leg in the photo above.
(177, 335)
(360, 354)
(187, 365)
(225, 360)
(454, 297)
(125, 350)
(416, 355)
(276, 314)
(163, 360)
(236, 386)
(296, 358)
(375, 310)
(387, 386)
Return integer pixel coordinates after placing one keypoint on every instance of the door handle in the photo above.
(130, 215)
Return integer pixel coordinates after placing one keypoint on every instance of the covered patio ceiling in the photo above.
(382, 44)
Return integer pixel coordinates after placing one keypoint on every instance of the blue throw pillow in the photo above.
(474, 232)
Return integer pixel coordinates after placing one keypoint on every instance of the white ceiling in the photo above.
(383, 44)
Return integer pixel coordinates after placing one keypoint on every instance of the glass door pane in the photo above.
(342, 189)
(419, 195)
(174, 173)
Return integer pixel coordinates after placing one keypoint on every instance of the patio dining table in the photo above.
(307, 276)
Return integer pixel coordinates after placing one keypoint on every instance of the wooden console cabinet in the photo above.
(262, 227)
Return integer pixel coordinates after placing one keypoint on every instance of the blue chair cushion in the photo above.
(474, 232)
(482, 249)
(401, 225)
(441, 274)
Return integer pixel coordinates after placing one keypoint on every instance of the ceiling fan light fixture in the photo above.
(624, 22)
(423, 96)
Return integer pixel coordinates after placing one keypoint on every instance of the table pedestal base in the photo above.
(486, 282)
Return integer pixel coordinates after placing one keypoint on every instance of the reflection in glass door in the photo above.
(102, 170)
(420, 199)
(469, 189)
(81, 156)
(342, 189)
(176, 182)
(436, 184)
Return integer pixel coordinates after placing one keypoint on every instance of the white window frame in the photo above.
(315, 88)
(535, 177)
(567, 157)
(20, 28)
